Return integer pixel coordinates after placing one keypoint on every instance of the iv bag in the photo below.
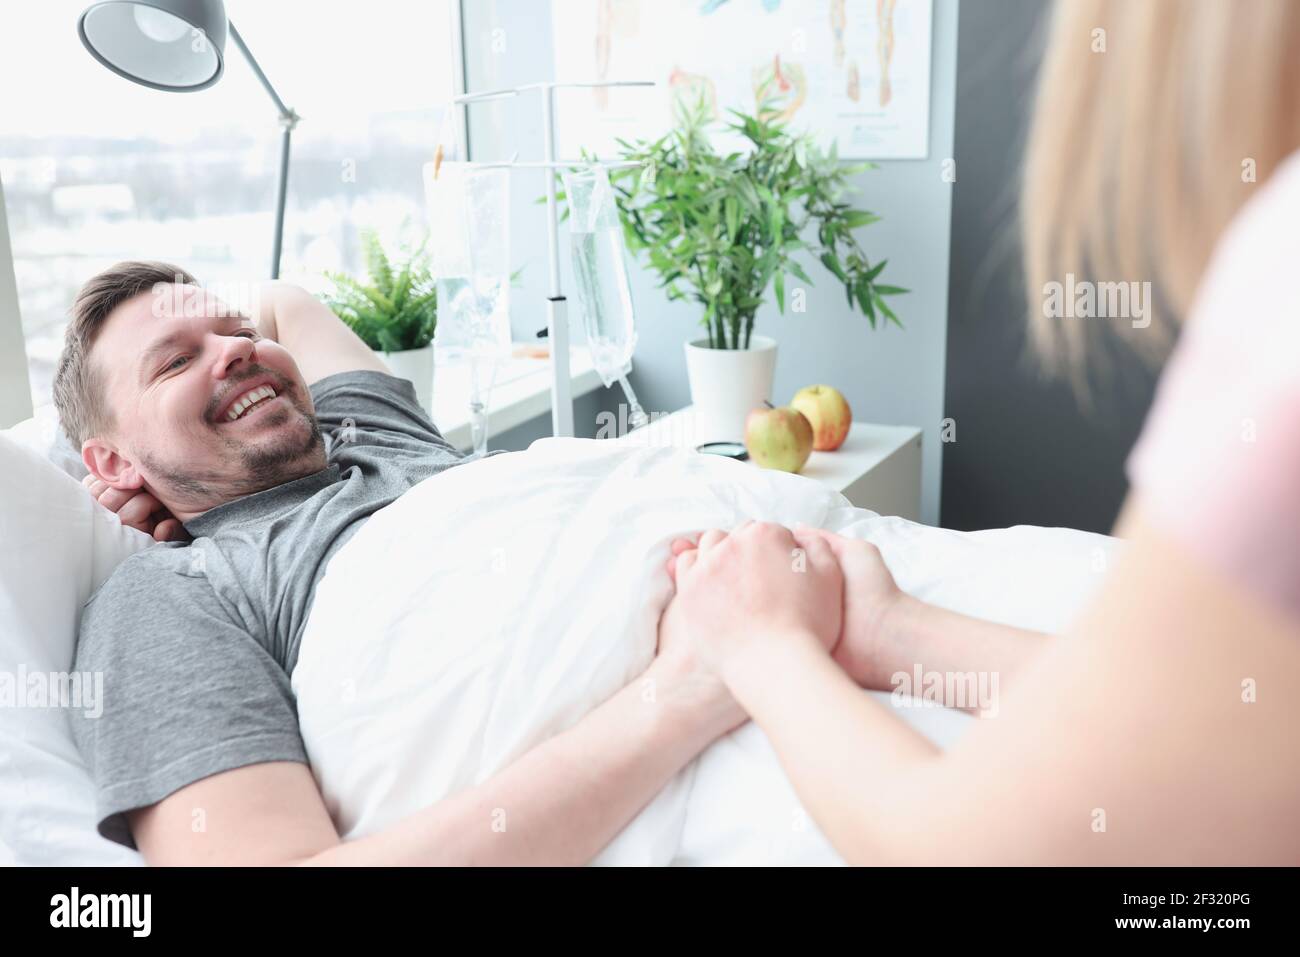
(604, 293)
(469, 253)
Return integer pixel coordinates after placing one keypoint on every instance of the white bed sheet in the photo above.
(531, 593)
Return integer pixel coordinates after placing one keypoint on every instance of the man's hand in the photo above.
(139, 509)
(679, 673)
(739, 592)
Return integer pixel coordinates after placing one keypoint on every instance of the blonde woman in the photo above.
(1160, 729)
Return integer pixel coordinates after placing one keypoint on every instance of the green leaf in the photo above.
(831, 262)
(776, 219)
(884, 307)
(780, 291)
(733, 217)
(381, 271)
(864, 300)
(799, 271)
(891, 290)
(860, 217)
(379, 299)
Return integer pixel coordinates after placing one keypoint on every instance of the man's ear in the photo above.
(109, 466)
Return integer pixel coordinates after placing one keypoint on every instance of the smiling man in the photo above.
(272, 439)
(196, 441)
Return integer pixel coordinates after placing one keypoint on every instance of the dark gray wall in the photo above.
(1023, 453)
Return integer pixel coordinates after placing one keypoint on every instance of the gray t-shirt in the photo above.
(196, 641)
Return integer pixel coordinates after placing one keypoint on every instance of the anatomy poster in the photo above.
(854, 72)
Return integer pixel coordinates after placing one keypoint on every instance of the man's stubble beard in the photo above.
(255, 467)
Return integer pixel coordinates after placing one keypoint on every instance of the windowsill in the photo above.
(522, 391)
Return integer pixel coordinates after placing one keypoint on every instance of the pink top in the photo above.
(1218, 461)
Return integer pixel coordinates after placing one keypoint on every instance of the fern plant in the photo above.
(397, 309)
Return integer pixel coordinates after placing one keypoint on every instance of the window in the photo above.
(97, 169)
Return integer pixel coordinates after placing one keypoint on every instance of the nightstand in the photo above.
(878, 466)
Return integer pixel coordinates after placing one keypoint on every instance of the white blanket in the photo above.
(497, 603)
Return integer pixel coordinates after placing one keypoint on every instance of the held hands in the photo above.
(743, 593)
(870, 595)
(138, 509)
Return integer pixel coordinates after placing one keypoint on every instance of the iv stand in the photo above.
(557, 323)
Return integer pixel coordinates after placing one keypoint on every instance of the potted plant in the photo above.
(720, 229)
(395, 313)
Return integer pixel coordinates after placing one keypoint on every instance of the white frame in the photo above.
(15, 386)
(459, 75)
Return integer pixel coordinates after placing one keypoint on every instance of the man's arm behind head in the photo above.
(319, 341)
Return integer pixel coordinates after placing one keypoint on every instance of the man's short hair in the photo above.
(78, 385)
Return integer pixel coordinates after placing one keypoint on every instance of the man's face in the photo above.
(178, 367)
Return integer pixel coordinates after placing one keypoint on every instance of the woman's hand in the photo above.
(740, 593)
(866, 650)
(139, 509)
(870, 595)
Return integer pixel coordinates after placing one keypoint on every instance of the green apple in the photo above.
(778, 438)
(828, 412)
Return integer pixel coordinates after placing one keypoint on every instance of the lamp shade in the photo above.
(165, 44)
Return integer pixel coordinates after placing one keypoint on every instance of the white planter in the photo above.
(726, 384)
(417, 366)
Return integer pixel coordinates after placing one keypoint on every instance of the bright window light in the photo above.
(97, 169)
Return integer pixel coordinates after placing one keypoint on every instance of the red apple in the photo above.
(829, 414)
(778, 438)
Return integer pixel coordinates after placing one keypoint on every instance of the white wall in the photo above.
(889, 375)
(15, 392)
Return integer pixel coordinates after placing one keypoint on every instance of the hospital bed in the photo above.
(58, 545)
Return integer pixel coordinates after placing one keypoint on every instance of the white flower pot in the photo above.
(417, 366)
(726, 384)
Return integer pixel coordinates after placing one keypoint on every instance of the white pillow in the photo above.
(57, 545)
(43, 435)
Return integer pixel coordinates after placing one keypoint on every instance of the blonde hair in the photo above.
(1151, 117)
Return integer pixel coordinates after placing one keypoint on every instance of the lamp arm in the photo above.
(288, 120)
(286, 114)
